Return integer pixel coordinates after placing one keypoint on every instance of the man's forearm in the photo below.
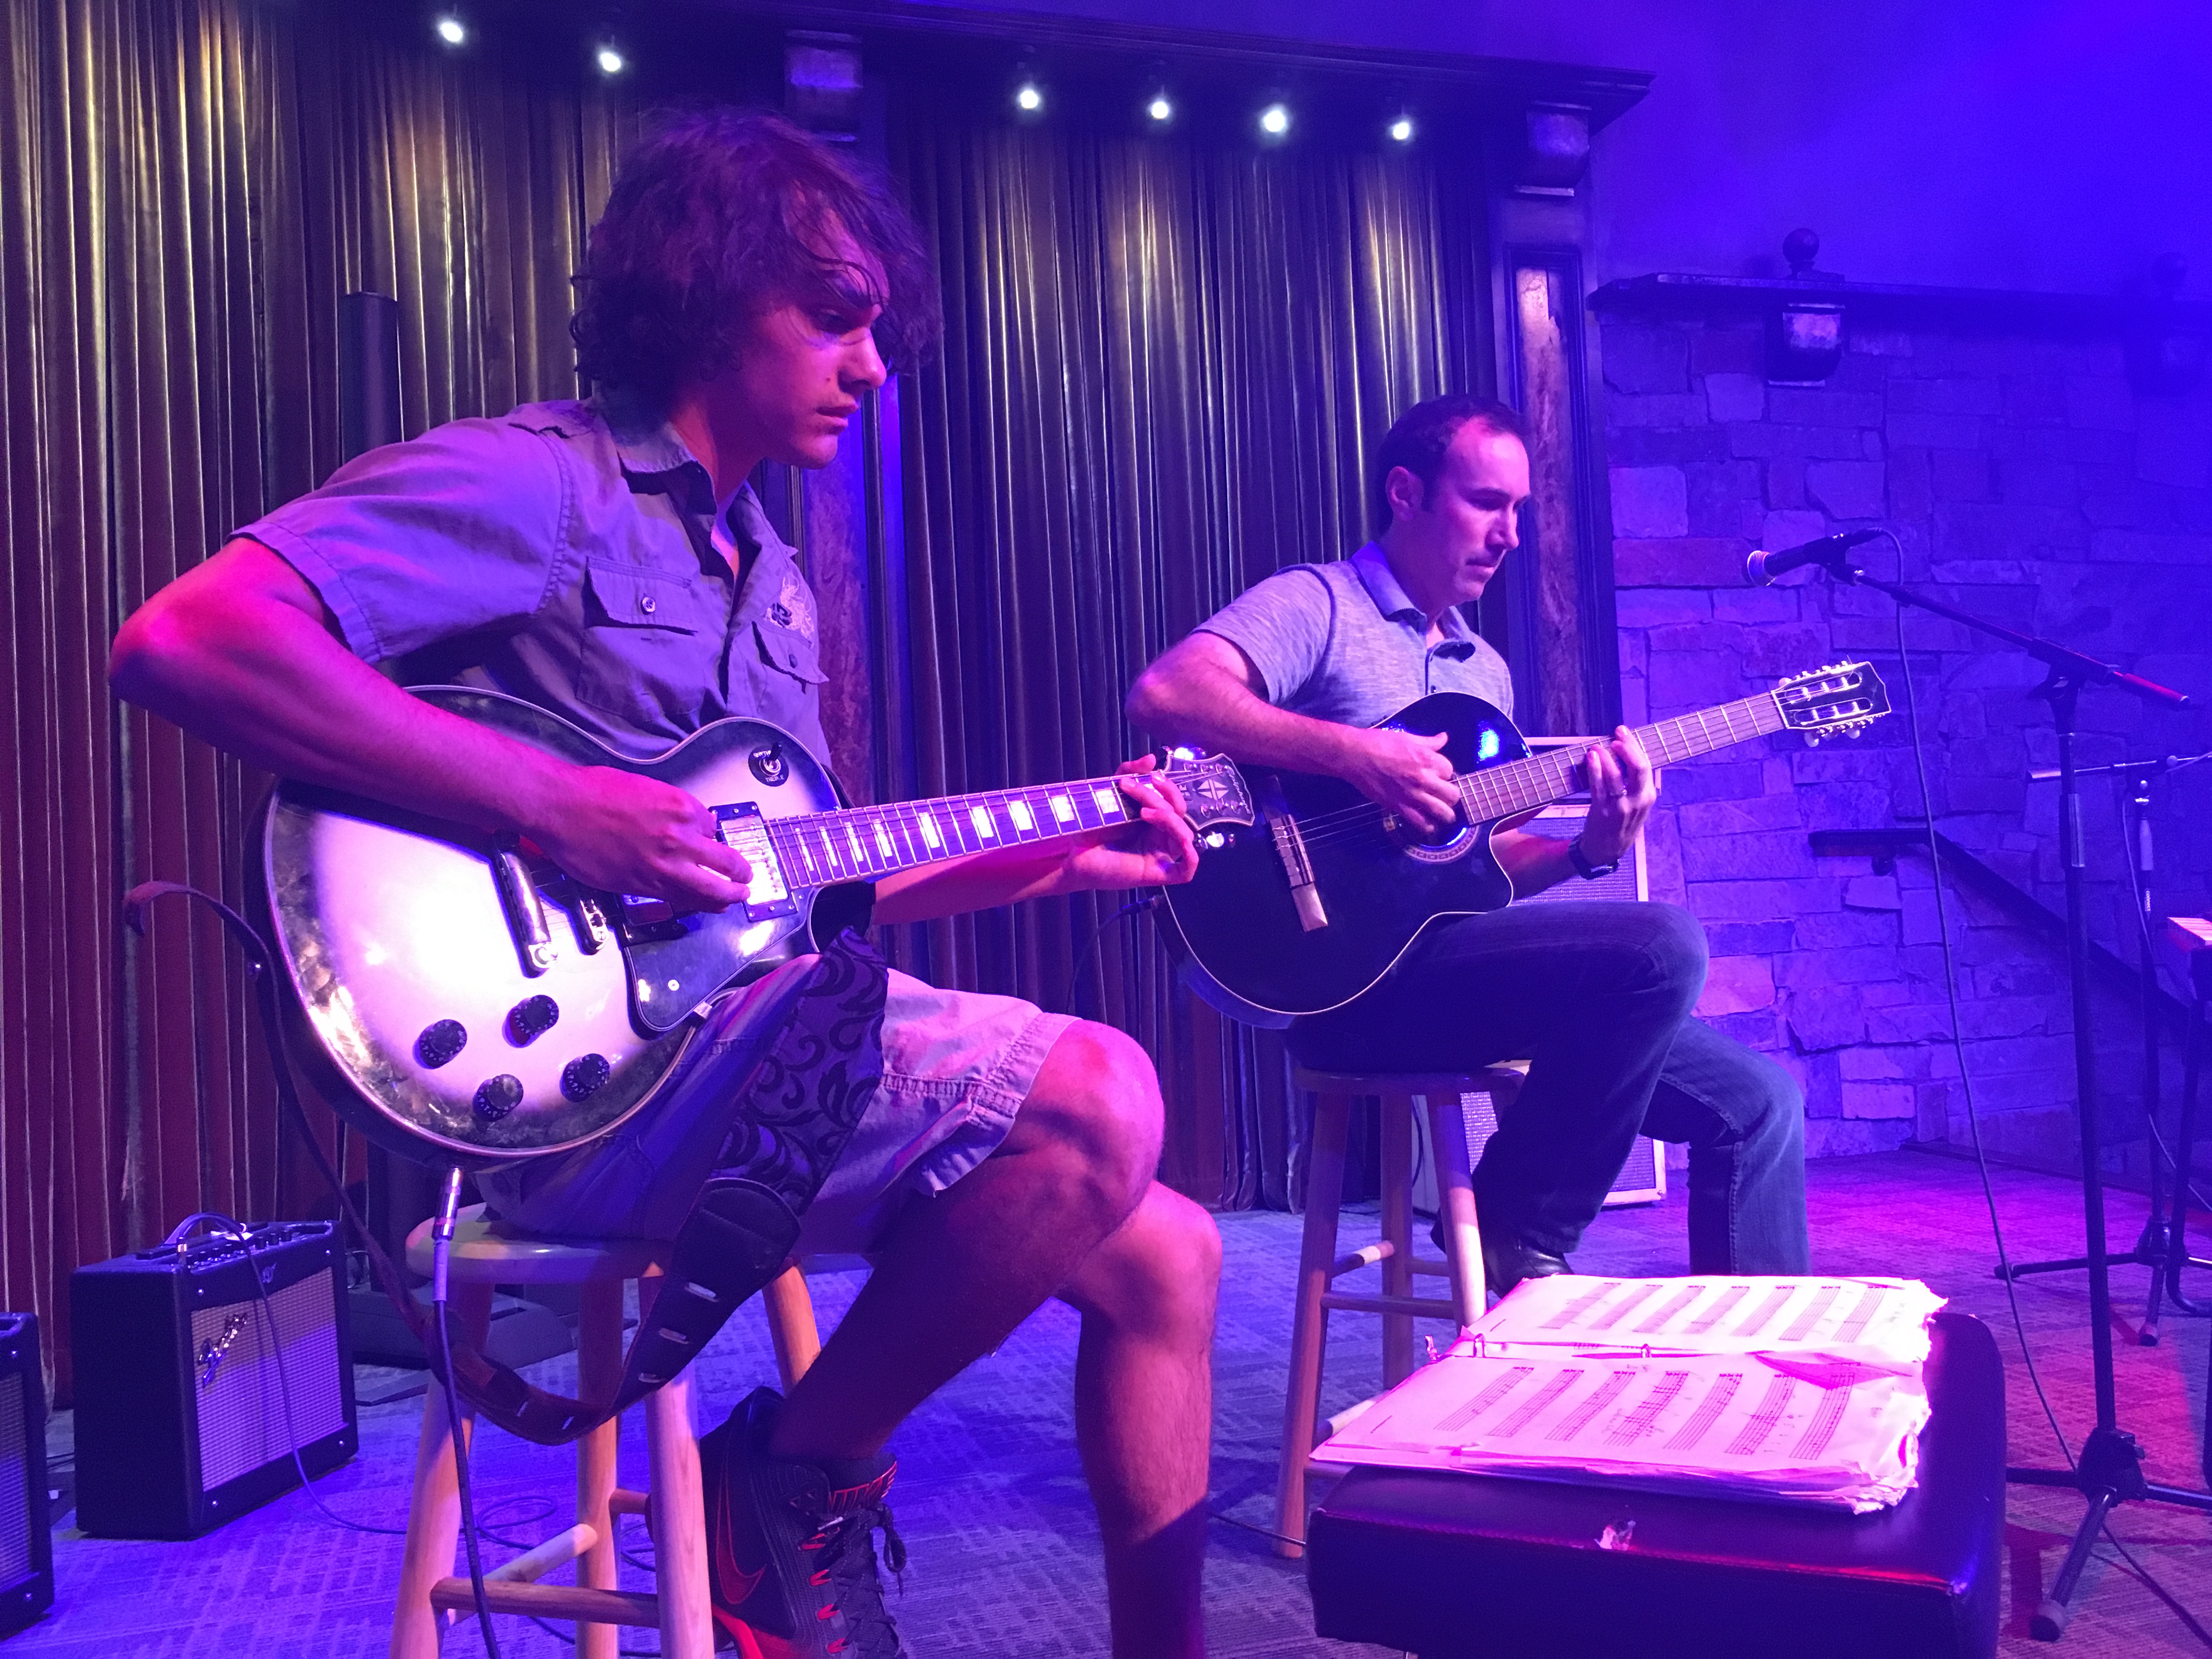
(264, 680)
(977, 881)
(1214, 710)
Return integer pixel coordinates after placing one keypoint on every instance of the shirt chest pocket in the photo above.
(789, 652)
(649, 644)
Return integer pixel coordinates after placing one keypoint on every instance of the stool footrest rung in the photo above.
(1381, 1250)
(593, 1607)
(1421, 1307)
(622, 1501)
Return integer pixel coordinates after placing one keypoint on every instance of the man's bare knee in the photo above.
(1158, 1273)
(1097, 1101)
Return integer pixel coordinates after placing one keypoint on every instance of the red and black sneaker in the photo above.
(792, 1544)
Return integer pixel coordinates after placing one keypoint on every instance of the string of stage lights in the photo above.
(605, 56)
(1273, 121)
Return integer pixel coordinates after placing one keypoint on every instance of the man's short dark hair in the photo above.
(720, 215)
(1418, 438)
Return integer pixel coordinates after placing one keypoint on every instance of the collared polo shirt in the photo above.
(545, 554)
(1342, 642)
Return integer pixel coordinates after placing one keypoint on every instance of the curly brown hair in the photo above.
(719, 215)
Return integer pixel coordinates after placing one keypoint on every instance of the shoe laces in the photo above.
(846, 1544)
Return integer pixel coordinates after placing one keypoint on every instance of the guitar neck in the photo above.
(1500, 790)
(863, 842)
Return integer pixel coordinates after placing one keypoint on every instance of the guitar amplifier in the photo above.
(1642, 1178)
(200, 1363)
(26, 1554)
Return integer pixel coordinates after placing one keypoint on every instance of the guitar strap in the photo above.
(801, 1103)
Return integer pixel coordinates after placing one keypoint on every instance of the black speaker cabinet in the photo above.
(26, 1550)
(181, 1410)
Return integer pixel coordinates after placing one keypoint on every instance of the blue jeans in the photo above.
(1596, 995)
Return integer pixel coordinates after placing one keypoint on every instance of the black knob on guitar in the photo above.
(439, 1042)
(530, 1019)
(497, 1097)
(584, 1076)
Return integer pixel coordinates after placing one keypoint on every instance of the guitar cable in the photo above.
(441, 1252)
(259, 960)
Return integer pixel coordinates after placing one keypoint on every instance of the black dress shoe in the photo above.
(1506, 1260)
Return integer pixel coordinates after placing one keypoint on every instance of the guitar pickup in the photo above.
(744, 832)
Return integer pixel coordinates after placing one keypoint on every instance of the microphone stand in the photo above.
(2110, 1470)
(2162, 1246)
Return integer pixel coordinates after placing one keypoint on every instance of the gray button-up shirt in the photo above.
(1342, 642)
(543, 555)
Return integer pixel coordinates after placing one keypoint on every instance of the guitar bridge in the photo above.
(1290, 847)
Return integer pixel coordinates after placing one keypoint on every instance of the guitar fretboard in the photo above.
(1501, 790)
(865, 842)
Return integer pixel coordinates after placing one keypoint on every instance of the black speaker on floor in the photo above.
(199, 1364)
(26, 1549)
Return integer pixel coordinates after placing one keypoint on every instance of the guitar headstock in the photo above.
(1212, 788)
(1841, 700)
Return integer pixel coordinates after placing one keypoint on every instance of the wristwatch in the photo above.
(1583, 867)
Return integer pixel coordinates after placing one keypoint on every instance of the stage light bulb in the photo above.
(611, 61)
(1160, 109)
(452, 31)
(1274, 120)
(1402, 128)
(1029, 97)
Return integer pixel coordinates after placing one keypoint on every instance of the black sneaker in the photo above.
(792, 1544)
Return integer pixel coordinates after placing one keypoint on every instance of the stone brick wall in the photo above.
(2026, 481)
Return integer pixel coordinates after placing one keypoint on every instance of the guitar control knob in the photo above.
(497, 1097)
(439, 1042)
(584, 1076)
(530, 1019)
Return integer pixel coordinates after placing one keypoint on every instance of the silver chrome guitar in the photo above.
(464, 1001)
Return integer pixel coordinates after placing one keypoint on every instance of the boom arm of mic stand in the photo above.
(2063, 662)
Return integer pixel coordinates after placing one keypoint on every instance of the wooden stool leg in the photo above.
(791, 1324)
(1456, 1200)
(433, 1510)
(598, 1373)
(678, 1515)
(1397, 1126)
(1310, 1319)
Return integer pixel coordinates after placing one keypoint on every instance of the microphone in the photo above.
(1764, 568)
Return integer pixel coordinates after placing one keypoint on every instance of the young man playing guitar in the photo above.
(605, 560)
(1295, 673)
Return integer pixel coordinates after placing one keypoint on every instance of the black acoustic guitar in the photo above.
(1314, 901)
(459, 999)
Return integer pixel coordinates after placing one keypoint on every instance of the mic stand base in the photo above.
(2108, 1473)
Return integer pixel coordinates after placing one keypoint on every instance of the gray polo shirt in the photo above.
(1342, 642)
(543, 555)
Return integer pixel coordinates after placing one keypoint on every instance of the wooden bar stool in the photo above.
(1399, 1096)
(431, 1597)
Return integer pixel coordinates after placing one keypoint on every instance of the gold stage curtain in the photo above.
(1166, 364)
(186, 191)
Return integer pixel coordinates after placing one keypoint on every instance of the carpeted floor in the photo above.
(991, 1502)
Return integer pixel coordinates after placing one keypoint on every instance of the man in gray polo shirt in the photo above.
(1295, 673)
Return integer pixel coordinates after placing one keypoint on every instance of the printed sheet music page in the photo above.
(1803, 1390)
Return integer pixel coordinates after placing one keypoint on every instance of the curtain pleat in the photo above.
(189, 189)
(1163, 367)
